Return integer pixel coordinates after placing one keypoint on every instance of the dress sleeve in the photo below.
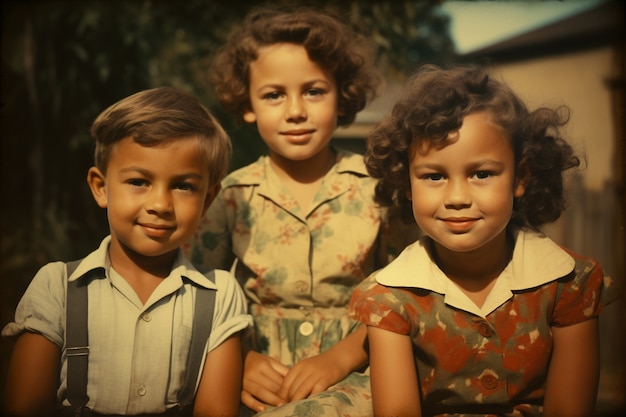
(379, 306)
(42, 307)
(583, 295)
(211, 246)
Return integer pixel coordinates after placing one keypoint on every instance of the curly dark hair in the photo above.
(433, 105)
(344, 53)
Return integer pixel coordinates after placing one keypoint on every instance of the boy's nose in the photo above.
(160, 202)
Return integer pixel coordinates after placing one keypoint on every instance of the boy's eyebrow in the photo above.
(148, 173)
(134, 169)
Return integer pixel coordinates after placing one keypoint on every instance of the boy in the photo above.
(159, 159)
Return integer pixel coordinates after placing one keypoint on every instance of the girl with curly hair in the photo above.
(300, 224)
(484, 315)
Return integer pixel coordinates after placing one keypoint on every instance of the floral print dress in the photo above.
(491, 360)
(298, 269)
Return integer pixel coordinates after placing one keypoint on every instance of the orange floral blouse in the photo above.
(489, 361)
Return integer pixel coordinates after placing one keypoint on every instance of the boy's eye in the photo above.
(137, 182)
(185, 186)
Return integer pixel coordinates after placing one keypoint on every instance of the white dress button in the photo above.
(141, 391)
(146, 317)
(306, 328)
(301, 287)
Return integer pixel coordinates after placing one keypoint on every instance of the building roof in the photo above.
(599, 25)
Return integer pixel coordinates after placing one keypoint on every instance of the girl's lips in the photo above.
(460, 224)
(298, 135)
(298, 132)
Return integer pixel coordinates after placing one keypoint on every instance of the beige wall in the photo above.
(578, 80)
(589, 224)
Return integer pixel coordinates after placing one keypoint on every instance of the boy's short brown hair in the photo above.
(158, 116)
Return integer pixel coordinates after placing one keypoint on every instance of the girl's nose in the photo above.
(296, 110)
(457, 194)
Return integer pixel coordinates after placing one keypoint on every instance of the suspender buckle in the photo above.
(77, 351)
(81, 412)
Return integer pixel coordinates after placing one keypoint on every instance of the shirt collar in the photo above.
(99, 260)
(536, 260)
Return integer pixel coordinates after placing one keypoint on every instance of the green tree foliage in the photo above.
(63, 62)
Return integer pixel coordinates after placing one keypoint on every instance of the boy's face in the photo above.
(294, 102)
(462, 194)
(154, 196)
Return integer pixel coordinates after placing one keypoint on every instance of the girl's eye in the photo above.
(433, 177)
(274, 95)
(314, 92)
(481, 175)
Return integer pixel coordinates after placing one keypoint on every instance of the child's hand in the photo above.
(262, 379)
(311, 376)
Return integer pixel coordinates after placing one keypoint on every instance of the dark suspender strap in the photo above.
(77, 344)
(202, 323)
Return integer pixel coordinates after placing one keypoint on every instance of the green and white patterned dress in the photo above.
(299, 269)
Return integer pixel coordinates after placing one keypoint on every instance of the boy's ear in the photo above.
(249, 116)
(97, 184)
(522, 176)
(210, 196)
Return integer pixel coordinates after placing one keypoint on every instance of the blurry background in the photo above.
(63, 62)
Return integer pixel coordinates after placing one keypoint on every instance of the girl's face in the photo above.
(154, 196)
(294, 102)
(462, 194)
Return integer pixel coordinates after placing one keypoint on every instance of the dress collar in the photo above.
(536, 260)
(268, 184)
(256, 173)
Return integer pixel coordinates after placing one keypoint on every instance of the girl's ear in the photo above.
(97, 184)
(249, 116)
(408, 194)
(522, 176)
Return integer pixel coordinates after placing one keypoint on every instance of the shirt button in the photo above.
(490, 382)
(146, 317)
(484, 329)
(306, 328)
(301, 286)
(141, 391)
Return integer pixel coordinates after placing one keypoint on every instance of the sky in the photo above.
(476, 24)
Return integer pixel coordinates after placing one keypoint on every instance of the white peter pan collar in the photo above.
(536, 260)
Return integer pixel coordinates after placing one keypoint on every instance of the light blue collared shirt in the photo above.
(138, 351)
